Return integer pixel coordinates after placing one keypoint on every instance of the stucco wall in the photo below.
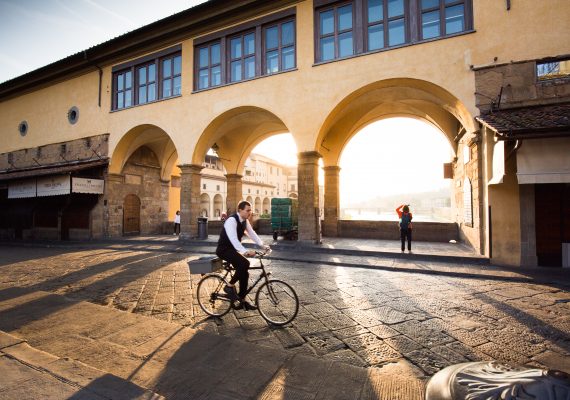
(505, 218)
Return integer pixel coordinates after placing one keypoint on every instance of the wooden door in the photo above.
(131, 215)
(552, 202)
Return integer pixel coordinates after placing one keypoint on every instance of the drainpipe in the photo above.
(100, 77)
(100, 82)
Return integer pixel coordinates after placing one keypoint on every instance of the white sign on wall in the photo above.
(85, 185)
(54, 185)
(22, 189)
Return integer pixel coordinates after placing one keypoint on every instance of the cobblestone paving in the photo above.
(364, 317)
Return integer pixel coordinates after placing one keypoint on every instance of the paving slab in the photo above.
(108, 355)
(29, 373)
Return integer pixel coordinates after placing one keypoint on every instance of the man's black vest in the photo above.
(224, 241)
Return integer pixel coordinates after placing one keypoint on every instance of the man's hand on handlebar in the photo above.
(252, 253)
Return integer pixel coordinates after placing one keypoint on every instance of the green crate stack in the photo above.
(283, 214)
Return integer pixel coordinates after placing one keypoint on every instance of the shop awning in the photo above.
(52, 169)
(544, 161)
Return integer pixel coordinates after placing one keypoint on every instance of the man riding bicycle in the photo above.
(230, 249)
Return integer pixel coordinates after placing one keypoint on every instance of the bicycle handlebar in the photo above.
(262, 253)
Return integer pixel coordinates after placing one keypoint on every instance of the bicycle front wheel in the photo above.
(211, 296)
(277, 302)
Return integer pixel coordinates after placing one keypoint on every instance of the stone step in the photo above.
(31, 373)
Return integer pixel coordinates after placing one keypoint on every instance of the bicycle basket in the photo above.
(205, 265)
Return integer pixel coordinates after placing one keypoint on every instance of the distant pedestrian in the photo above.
(177, 223)
(224, 217)
(405, 224)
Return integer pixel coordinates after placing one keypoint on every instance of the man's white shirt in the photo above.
(231, 230)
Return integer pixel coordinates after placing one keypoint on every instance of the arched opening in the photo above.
(204, 205)
(266, 206)
(391, 162)
(143, 161)
(257, 205)
(218, 206)
(415, 100)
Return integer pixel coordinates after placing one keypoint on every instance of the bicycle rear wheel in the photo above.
(211, 296)
(277, 302)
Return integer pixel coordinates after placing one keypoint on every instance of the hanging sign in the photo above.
(85, 185)
(54, 185)
(22, 189)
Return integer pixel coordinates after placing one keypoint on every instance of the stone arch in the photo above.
(249, 199)
(257, 205)
(153, 137)
(235, 133)
(266, 207)
(398, 97)
(218, 206)
(205, 205)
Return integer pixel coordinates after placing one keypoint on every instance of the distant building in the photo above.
(263, 179)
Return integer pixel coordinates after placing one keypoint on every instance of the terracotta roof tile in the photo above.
(535, 121)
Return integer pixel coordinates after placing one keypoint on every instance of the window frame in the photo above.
(412, 25)
(243, 57)
(280, 47)
(170, 77)
(146, 84)
(133, 68)
(336, 31)
(210, 66)
(441, 7)
(224, 37)
(562, 72)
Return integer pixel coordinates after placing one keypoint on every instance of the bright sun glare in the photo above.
(388, 157)
(393, 156)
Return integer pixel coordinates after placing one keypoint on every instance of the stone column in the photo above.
(190, 181)
(308, 181)
(235, 192)
(332, 200)
(113, 212)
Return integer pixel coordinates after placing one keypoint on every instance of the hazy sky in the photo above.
(35, 33)
(392, 156)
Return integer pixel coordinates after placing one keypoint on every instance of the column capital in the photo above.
(332, 169)
(234, 176)
(191, 168)
(307, 157)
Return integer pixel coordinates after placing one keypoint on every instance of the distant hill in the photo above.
(440, 198)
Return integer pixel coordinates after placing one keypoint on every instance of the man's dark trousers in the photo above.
(241, 265)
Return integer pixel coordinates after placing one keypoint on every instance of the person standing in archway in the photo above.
(177, 223)
(405, 223)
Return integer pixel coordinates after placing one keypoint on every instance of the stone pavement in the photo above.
(391, 319)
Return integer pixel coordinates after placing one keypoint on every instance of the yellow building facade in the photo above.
(233, 73)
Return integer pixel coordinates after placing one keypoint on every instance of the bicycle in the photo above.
(276, 301)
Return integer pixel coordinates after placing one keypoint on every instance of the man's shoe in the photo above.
(231, 292)
(244, 305)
